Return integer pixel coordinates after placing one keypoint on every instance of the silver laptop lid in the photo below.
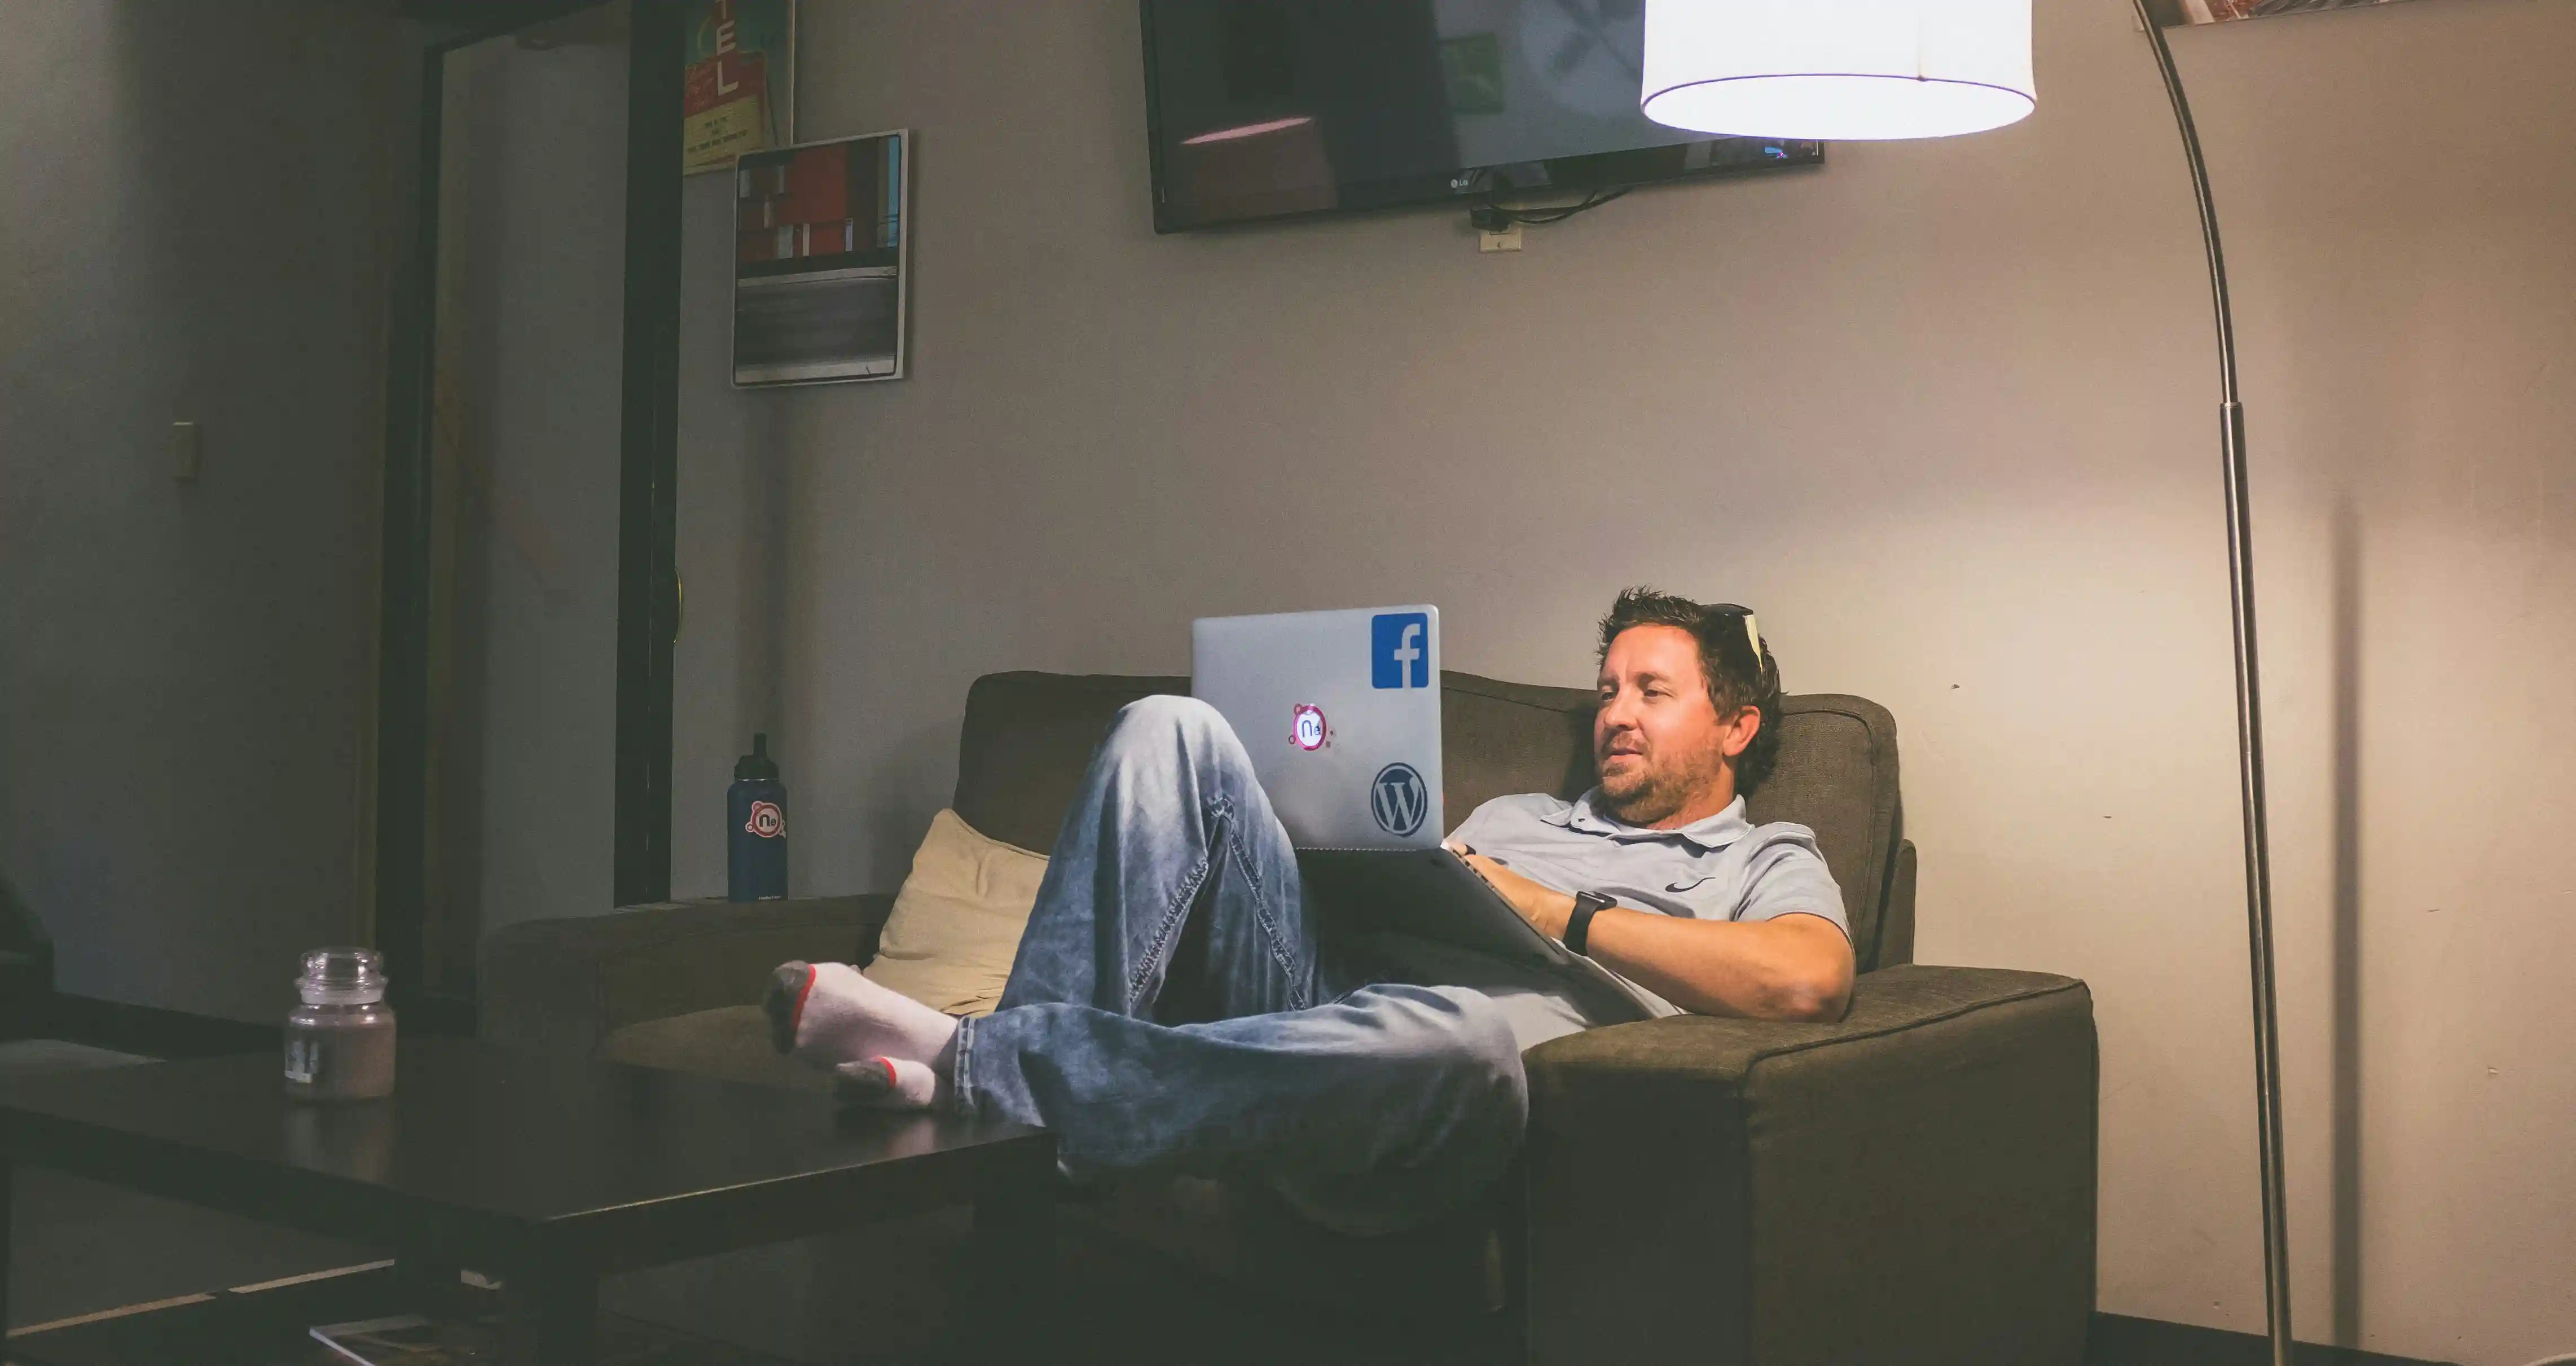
(1341, 713)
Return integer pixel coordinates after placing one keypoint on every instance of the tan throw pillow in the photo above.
(956, 924)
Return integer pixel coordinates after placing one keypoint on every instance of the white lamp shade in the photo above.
(1837, 69)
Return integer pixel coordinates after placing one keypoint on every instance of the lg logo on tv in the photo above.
(1400, 650)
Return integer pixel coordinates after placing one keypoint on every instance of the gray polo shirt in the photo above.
(1721, 868)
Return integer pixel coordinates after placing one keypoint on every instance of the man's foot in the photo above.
(886, 1084)
(829, 1015)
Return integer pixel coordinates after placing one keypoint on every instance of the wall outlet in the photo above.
(1509, 239)
(183, 451)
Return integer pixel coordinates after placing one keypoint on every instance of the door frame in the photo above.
(647, 593)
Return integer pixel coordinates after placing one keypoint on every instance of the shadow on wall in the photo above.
(2345, 663)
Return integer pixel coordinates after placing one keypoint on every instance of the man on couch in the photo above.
(1170, 1006)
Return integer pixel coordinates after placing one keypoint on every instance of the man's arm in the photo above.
(1791, 967)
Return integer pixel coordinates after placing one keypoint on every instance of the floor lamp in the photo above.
(1842, 70)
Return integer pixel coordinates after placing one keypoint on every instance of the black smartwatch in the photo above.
(1578, 926)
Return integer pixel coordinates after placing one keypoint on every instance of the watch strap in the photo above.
(1578, 926)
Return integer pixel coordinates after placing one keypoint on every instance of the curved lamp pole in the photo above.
(1865, 69)
(2249, 725)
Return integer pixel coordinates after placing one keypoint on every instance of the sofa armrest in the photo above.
(1913, 1183)
(562, 984)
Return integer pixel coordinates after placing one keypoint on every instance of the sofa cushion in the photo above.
(1497, 739)
(957, 922)
(1913, 1182)
(562, 982)
(1028, 737)
(1837, 777)
(1027, 740)
(730, 1043)
(1455, 1270)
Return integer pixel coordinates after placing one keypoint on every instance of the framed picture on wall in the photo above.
(740, 91)
(821, 261)
(2179, 13)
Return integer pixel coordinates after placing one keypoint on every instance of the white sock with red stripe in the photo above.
(887, 1084)
(885, 1047)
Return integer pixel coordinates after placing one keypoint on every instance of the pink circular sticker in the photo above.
(1307, 730)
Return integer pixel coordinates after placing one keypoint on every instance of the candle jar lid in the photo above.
(342, 977)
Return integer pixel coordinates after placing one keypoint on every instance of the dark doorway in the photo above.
(524, 709)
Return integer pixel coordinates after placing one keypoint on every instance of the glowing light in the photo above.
(1249, 130)
(1837, 69)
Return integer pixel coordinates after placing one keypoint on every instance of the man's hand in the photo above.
(1544, 907)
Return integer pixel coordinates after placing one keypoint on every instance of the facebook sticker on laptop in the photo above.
(1400, 650)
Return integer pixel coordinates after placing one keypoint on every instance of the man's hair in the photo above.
(1736, 676)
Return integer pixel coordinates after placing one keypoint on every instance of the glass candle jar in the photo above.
(340, 1040)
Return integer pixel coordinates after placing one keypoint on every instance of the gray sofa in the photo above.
(26, 967)
(1913, 1183)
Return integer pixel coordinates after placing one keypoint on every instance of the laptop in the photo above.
(1340, 712)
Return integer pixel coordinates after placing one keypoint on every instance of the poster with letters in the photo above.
(740, 91)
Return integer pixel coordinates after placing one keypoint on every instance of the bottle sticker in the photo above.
(767, 821)
(303, 1060)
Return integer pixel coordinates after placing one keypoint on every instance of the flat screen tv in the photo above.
(1270, 108)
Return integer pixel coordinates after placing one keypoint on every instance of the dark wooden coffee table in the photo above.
(545, 1173)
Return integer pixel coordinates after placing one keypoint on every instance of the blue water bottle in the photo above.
(756, 828)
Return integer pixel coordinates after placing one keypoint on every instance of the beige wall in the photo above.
(1944, 413)
(731, 554)
(198, 210)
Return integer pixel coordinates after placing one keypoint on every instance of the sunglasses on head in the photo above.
(1752, 629)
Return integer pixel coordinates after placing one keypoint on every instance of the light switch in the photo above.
(183, 451)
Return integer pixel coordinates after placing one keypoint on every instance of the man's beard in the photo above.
(1645, 794)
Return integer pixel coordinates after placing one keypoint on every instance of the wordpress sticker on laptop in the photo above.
(1399, 799)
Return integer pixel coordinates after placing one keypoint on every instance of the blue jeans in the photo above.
(1171, 1009)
